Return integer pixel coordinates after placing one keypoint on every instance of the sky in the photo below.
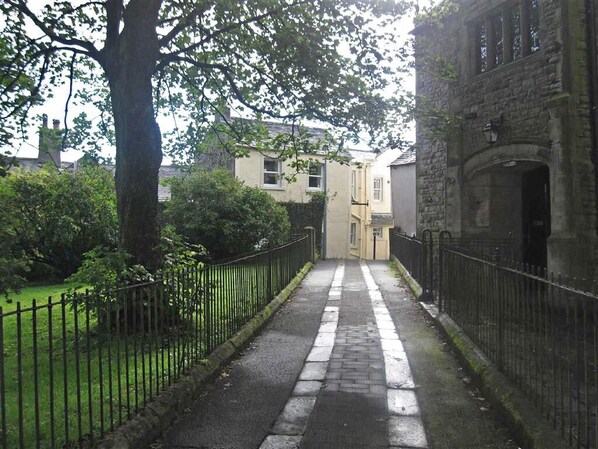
(54, 109)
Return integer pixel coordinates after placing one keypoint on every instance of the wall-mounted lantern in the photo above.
(490, 131)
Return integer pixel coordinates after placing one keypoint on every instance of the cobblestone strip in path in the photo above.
(356, 389)
(350, 411)
(405, 426)
(292, 422)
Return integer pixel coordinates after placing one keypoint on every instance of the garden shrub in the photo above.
(51, 218)
(116, 284)
(215, 210)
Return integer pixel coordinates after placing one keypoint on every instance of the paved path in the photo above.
(350, 362)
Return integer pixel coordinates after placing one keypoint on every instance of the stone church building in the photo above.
(506, 134)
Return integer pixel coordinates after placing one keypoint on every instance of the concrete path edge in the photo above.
(157, 416)
(530, 428)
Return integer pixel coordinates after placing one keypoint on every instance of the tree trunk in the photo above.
(129, 64)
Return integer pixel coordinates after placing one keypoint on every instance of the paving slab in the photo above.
(294, 416)
(314, 371)
(402, 402)
(307, 388)
(325, 339)
(407, 431)
(319, 354)
(281, 442)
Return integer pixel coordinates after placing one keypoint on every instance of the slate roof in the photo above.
(406, 158)
(166, 172)
(382, 219)
(32, 164)
(276, 128)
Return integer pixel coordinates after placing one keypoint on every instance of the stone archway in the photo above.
(501, 186)
(504, 155)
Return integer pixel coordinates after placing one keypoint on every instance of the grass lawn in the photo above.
(109, 374)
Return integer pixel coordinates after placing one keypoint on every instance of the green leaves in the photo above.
(52, 218)
(328, 60)
(177, 63)
(215, 210)
(325, 60)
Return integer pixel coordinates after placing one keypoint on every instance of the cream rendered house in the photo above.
(371, 209)
(265, 171)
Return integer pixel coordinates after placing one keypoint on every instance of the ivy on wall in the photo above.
(307, 214)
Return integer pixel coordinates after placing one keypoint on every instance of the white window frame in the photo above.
(266, 172)
(319, 177)
(353, 235)
(377, 192)
(378, 232)
(354, 184)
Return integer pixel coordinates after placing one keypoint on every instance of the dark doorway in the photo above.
(536, 215)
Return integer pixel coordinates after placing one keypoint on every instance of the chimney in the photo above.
(49, 143)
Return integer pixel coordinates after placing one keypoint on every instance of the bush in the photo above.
(53, 218)
(109, 272)
(217, 211)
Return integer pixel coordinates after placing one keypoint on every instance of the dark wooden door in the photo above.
(536, 215)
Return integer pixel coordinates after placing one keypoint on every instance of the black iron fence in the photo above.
(539, 329)
(421, 256)
(416, 255)
(73, 368)
(502, 249)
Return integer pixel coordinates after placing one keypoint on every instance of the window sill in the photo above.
(271, 187)
(507, 66)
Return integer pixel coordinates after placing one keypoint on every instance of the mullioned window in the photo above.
(507, 34)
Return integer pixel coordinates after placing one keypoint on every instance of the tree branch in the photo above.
(266, 76)
(88, 47)
(29, 99)
(233, 85)
(114, 13)
(182, 25)
(68, 101)
(221, 31)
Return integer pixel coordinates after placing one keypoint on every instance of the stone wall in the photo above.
(542, 103)
(431, 149)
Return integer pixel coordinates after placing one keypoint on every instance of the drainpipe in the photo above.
(591, 21)
(324, 242)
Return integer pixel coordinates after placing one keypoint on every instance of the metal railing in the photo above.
(539, 329)
(74, 368)
(502, 249)
(416, 255)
